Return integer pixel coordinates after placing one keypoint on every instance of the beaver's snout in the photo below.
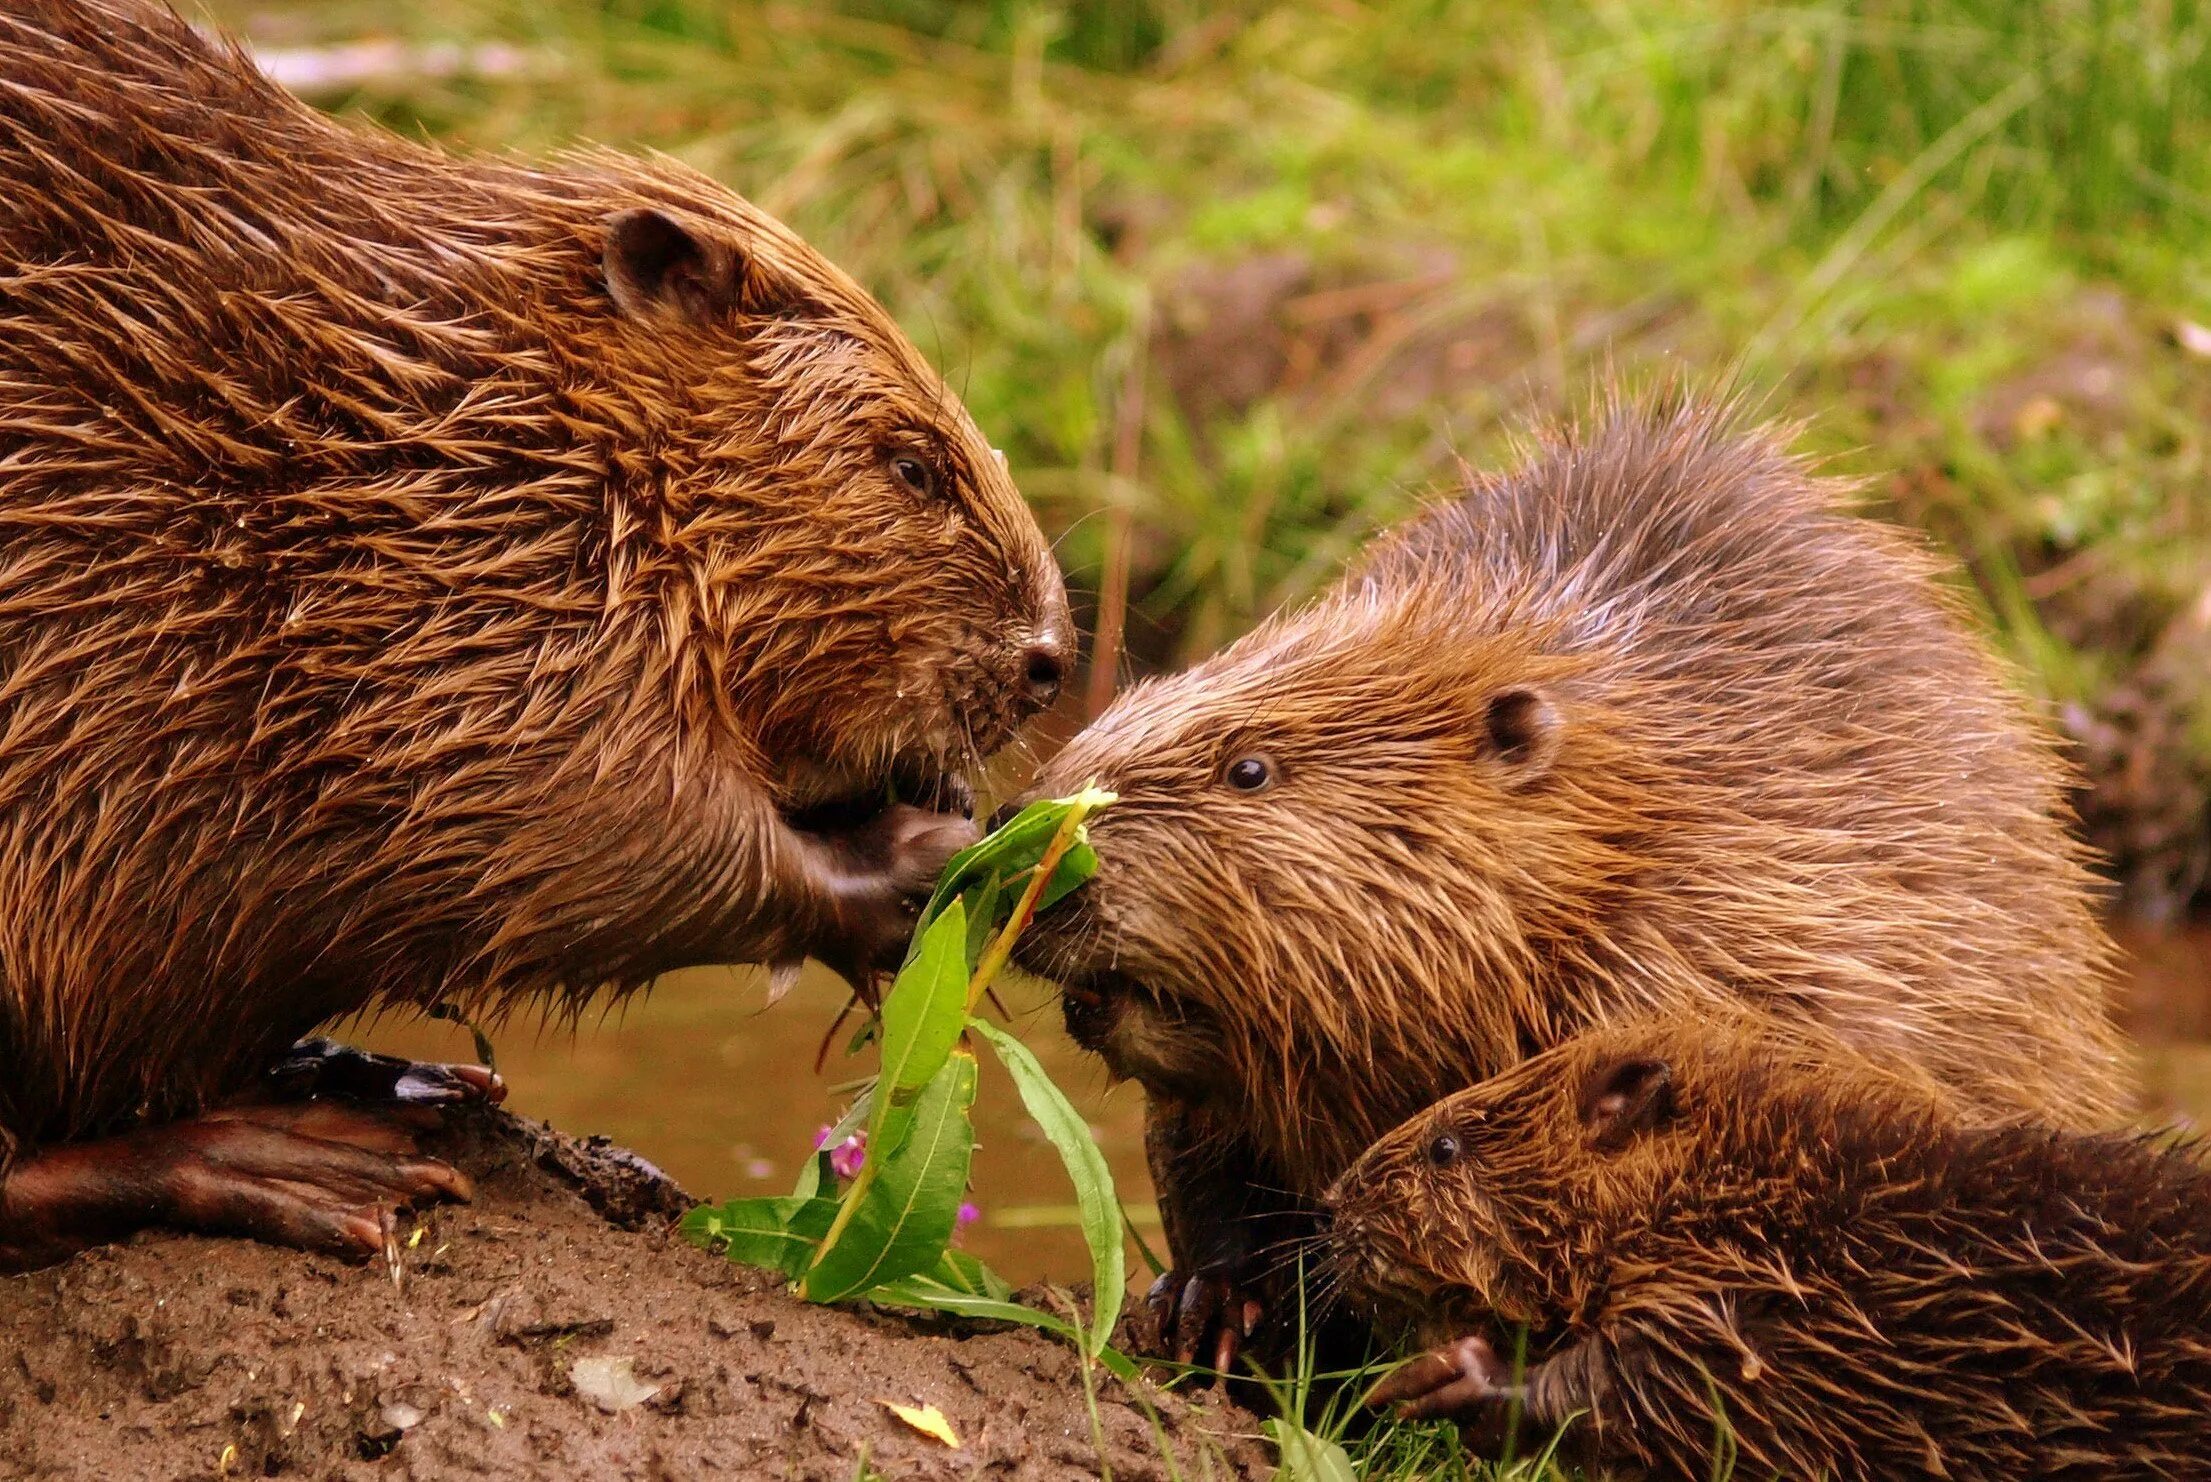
(1043, 669)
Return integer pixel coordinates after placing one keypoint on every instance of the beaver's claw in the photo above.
(318, 1067)
(1206, 1312)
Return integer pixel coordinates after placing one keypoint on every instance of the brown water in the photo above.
(723, 1094)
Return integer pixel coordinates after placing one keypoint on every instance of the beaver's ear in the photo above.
(1522, 729)
(1626, 1098)
(657, 266)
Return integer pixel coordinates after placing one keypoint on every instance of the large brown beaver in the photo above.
(1653, 721)
(431, 580)
(1708, 1230)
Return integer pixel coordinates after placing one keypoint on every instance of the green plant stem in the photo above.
(1001, 946)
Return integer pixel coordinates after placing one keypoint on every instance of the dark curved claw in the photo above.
(324, 1068)
(1207, 1311)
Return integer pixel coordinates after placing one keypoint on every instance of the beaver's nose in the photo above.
(1004, 815)
(1043, 670)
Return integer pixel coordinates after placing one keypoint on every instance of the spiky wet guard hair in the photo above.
(1812, 1255)
(1653, 720)
(417, 573)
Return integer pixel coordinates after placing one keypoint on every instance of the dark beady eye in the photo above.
(1253, 772)
(914, 474)
(1443, 1151)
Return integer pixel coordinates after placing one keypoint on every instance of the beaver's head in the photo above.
(1487, 1207)
(1678, 1143)
(842, 566)
(1346, 851)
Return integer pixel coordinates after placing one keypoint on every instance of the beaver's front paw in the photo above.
(1464, 1381)
(1207, 1313)
(872, 880)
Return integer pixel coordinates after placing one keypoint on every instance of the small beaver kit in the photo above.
(1725, 1235)
(430, 580)
(1653, 721)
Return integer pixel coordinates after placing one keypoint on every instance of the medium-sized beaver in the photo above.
(1713, 1229)
(1652, 722)
(429, 580)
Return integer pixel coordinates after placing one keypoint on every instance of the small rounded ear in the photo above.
(656, 266)
(1522, 729)
(1625, 1099)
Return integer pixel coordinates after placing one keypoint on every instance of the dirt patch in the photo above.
(180, 1357)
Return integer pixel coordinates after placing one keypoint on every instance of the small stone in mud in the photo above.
(610, 1383)
(400, 1416)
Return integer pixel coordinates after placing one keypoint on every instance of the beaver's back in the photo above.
(2015, 1301)
(1834, 792)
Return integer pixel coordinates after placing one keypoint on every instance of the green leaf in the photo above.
(900, 1219)
(936, 1296)
(966, 1273)
(1016, 848)
(931, 1295)
(1306, 1457)
(1009, 850)
(1075, 866)
(1086, 1166)
(814, 1176)
(779, 1234)
(922, 1015)
(985, 902)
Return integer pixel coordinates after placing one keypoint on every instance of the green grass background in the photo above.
(1255, 275)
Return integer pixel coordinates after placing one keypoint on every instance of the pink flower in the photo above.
(968, 1214)
(847, 1156)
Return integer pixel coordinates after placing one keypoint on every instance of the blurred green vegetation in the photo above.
(1254, 275)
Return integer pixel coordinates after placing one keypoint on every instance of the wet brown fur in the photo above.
(388, 614)
(1653, 721)
(1813, 1248)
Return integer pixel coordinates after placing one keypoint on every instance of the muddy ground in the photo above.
(180, 1357)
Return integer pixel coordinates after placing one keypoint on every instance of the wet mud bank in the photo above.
(554, 1328)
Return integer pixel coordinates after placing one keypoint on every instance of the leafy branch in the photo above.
(887, 1235)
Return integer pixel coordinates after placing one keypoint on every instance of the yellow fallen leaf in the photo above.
(927, 1419)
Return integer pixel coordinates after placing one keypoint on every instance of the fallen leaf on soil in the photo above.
(927, 1419)
(610, 1384)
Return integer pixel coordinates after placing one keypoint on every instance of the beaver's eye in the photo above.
(915, 474)
(1250, 773)
(1444, 1151)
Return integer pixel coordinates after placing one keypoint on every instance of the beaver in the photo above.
(1712, 1235)
(431, 580)
(1655, 720)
